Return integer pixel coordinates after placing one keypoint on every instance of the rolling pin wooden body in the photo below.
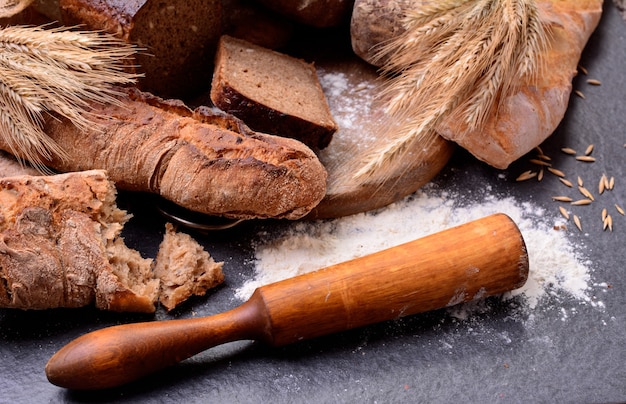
(482, 258)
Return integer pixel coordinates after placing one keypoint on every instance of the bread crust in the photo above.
(529, 115)
(202, 160)
(316, 13)
(60, 246)
(235, 92)
(177, 38)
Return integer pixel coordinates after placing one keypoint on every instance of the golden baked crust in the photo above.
(178, 38)
(529, 115)
(201, 160)
(60, 246)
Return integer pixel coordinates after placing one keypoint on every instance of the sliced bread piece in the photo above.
(271, 92)
(179, 38)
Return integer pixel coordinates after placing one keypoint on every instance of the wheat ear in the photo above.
(55, 70)
(455, 58)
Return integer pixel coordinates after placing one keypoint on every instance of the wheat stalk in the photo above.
(455, 59)
(55, 70)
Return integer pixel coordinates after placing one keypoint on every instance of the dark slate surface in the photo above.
(433, 357)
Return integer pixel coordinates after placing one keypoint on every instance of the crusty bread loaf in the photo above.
(205, 161)
(529, 115)
(375, 22)
(10, 167)
(249, 20)
(271, 92)
(179, 37)
(60, 246)
(317, 13)
(184, 268)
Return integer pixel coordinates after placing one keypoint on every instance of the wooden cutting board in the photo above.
(350, 86)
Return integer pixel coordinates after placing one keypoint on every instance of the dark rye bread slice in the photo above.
(271, 92)
(179, 38)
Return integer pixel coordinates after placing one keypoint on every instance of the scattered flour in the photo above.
(556, 267)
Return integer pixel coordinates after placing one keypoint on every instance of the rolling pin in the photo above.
(472, 261)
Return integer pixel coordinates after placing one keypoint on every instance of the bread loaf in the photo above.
(317, 13)
(184, 268)
(532, 114)
(60, 246)
(10, 167)
(179, 37)
(271, 92)
(528, 116)
(204, 161)
(251, 21)
(374, 22)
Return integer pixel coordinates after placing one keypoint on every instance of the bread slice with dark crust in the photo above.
(179, 38)
(271, 92)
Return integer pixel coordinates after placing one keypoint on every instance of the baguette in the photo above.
(202, 160)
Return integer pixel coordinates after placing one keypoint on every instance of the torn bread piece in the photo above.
(184, 268)
(60, 246)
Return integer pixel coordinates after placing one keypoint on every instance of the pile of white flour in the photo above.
(557, 268)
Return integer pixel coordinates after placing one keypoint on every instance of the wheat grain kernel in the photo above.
(586, 192)
(594, 82)
(562, 198)
(569, 150)
(564, 212)
(577, 223)
(581, 202)
(588, 150)
(544, 157)
(566, 182)
(540, 162)
(580, 181)
(580, 94)
(583, 70)
(586, 159)
(620, 210)
(602, 184)
(540, 175)
(556, 172)
(611, 183)
(604, 213)
(526, 175)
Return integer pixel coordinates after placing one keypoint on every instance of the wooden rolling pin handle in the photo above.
(117, 355)
(472, 261)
